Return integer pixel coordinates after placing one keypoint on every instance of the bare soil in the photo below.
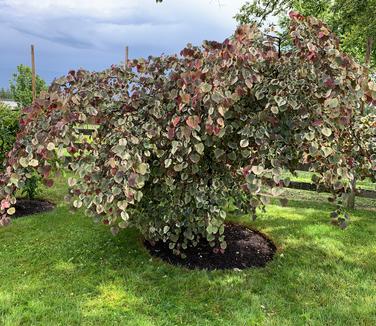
(246, 248)
(28, 207)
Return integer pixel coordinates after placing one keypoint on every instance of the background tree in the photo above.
(352, 20)
(20, 86)
(5, 94)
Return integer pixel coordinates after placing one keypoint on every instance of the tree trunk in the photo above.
(367, 61)
(351, 196)
(368, 51)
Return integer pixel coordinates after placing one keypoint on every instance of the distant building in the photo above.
(12, 104)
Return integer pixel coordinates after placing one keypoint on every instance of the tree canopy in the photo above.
(352, 20)
(177, 136)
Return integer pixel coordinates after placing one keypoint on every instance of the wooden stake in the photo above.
(33, 83)
(126, 57)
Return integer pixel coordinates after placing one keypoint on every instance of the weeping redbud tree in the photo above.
(177, 136)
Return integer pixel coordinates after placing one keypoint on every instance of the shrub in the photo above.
(31, 187)
(178, 135)
(8, 129)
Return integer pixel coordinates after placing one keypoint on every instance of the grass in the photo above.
(60, 268)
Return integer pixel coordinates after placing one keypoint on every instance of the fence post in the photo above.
(126, 56)
(33, 82)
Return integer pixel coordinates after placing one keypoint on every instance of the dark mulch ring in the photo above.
(29, 207)
(245, 248)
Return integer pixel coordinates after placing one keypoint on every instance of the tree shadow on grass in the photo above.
(312, 218)
(300, 278)
(79, 274)
(307, 276)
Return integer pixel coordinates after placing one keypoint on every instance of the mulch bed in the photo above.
(245, 248)
(28, 207)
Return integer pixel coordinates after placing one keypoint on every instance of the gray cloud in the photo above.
(92, 34)
(57, 37)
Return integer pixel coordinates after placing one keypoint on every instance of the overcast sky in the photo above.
(92, 34)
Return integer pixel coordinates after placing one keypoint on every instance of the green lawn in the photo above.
(60, 268)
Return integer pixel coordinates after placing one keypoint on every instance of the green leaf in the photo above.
(309, 136)
(257, 169)
(222, 110)
(195, 158)
(142, 168)
(167, 162)
(77, 203)
(205, 87)
(11, 211)
(123, 225)
(280, 100)
(326, 131)
(50, 146)
(171, 245)
(259, 94)
(34, 163)
(178, 167)
(327, 151)
(210, 229)
(138, 195)
(72, 182)
(244, 143)
(218, 153)
(124, 215)
(249, 83)
(331, 103)
(122, 204)
(24, 162)
(200, 148)
(123, 142)
(217, 97)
